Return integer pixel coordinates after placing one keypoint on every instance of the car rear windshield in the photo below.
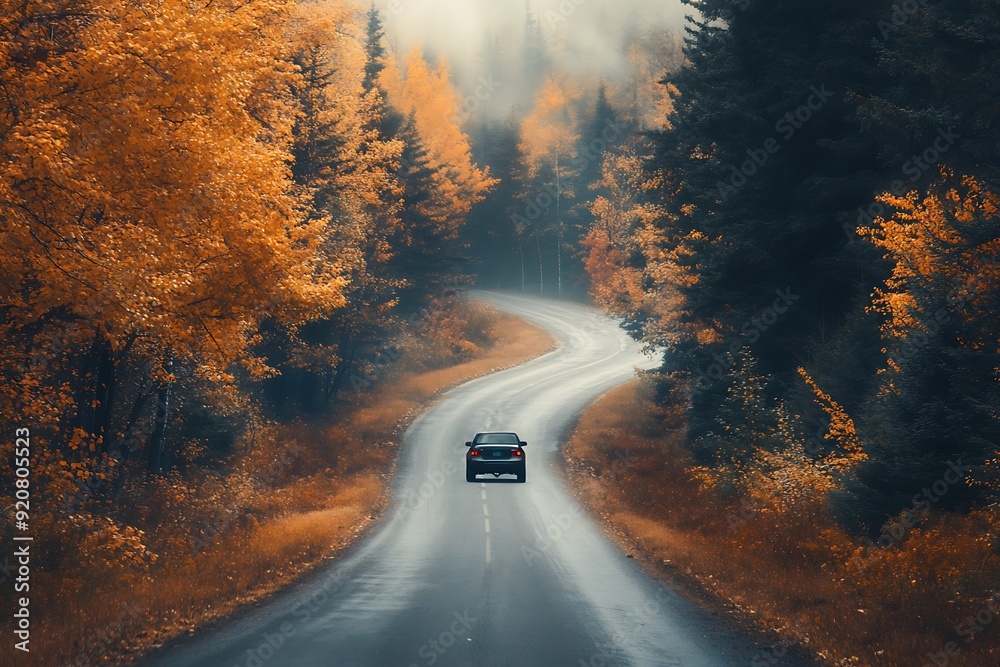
(497, 439)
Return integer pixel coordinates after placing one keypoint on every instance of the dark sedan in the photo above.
(495, 453)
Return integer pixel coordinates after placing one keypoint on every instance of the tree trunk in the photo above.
(520, 253)
(558, 230)
(154, 450)
(107, 388)
(130, 436)
(541, 269)
(340, 374)
(86, 398)
(132, 432)
(104, 397)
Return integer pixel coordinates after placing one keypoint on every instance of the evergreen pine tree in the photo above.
(942, 90)
(374, 50)
(429, 256)
(496, 249)
(765, 161)
(534, 58)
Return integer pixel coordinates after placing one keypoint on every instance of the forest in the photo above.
(813, 240)
(219, 221)
(808, 231)
(223, 221)
(186, 218)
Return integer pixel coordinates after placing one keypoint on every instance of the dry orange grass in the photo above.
(515, 346)
(894, 608)
(327, 495)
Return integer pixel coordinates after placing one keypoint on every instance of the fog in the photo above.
(486, 38)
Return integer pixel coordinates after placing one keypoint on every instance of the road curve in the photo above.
(490, 574)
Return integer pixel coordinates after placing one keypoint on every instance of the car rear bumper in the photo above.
(485, 468)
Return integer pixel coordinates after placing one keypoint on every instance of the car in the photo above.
(495, 453)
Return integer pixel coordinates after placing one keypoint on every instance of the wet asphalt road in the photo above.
(493, 573)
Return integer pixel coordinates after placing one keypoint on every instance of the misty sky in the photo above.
(584, 35)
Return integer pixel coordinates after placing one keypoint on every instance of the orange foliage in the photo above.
(427, 95)
(548, 134)
(652, 56)
(632, 268)
(613, 240)
(336, 111)
(842, 431)
(936, 246)
(850, 603)
(146, 186)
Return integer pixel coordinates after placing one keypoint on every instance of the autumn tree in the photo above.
(374, 48)
(428, 253)
(617, 239)
(549, 139)
(347, 169)
(938, 397)
(651, 55)
(441, 181)
(125, 235)
(534, 58)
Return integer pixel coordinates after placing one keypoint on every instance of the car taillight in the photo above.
(474, 452)
(517, 452)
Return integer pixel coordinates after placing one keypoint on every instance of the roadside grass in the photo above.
(787, 571)
(298, 495)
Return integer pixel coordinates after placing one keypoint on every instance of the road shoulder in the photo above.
(670, 547)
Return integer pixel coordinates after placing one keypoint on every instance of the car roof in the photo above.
(507, 438)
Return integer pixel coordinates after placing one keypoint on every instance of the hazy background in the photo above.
(487, 37)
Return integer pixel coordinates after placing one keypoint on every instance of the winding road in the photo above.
(490, 574)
